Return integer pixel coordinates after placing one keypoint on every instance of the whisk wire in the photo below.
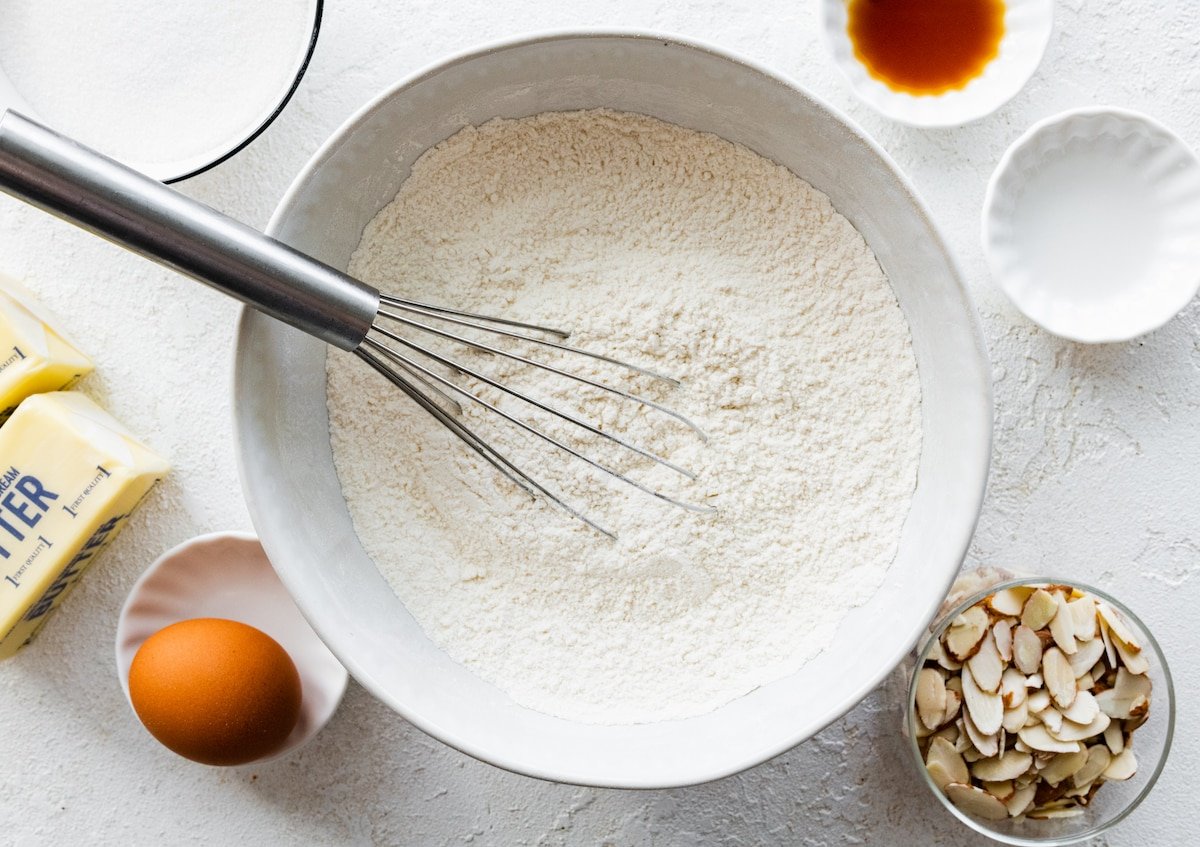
(401, 302)
(538, 404)
(636, 398)
(494, 457)
(426, 375)
(566, 348)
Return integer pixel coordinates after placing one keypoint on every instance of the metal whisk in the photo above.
(78, 184)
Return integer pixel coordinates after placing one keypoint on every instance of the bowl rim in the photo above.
(240, 140)
(297, 78)
(750, 758)
(943, 624)
(984, 108)
(987, 217)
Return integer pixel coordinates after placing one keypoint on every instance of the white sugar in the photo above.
(148, 81)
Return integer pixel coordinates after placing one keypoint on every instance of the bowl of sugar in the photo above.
(171, 89)
(697, 214)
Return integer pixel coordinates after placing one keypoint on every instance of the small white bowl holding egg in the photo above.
(222, 637)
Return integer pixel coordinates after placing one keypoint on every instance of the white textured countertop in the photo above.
(1096, 455)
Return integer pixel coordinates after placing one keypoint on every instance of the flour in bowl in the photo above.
(685, 253)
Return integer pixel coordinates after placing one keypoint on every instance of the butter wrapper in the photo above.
(70, 476)
(34, 356)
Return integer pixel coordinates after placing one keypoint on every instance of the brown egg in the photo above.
(215, 691)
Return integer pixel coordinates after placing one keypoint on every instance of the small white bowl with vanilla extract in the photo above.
(937, 63)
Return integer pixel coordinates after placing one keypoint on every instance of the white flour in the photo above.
(683, 252)
(149, 81)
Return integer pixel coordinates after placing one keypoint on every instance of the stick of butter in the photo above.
(34, 356)
(70, 476)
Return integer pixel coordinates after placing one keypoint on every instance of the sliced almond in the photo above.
(986, 709)
(1135, 661)
(1083, 615)
(1027, 650)
(953, 702)
(1122, 766)
(1038, 701)
(1114, 738)
(1033, 681)
(1012, 688)
(1021, 800)
(1002, 635)
(938, 774)
(1118, 627)
(1098, 759)
(1051, 718)
(1139, 707)
(1000, 790)
(1062, 625)
(1083, 710)
(1086, 656)
(1010, 601)
(945, 764)
(1078, 791)
(1054, 813)
(1037, 738)
(931, 697)
(966, 633)
(949, 733)
(938, 654)
(976, 801)
(1110, 652)
(1039, 609)
(986, 665)
(1063, 766)
(1015, 717)
(1071, 731)
(1117, 702)
(972, 755)
(1060, 679)
(963, 742)
(1008, 765)
(985, 744)
(1131, 684)
(1085, 682)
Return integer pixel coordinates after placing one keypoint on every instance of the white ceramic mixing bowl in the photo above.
(283, 427)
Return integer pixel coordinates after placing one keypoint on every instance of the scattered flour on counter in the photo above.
(686, 253)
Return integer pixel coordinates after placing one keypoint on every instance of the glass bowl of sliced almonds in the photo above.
(1039, 711)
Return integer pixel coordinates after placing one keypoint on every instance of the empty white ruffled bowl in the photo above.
(1091, 224)
(1027, 28)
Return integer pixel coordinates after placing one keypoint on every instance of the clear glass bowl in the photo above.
(1114, 801)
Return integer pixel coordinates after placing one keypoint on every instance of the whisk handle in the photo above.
(73, 182)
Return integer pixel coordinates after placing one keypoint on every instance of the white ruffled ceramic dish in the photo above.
(1091, 224)
(227, 575)
(1027, 28)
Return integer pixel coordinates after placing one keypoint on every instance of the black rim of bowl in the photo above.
(270, 119)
